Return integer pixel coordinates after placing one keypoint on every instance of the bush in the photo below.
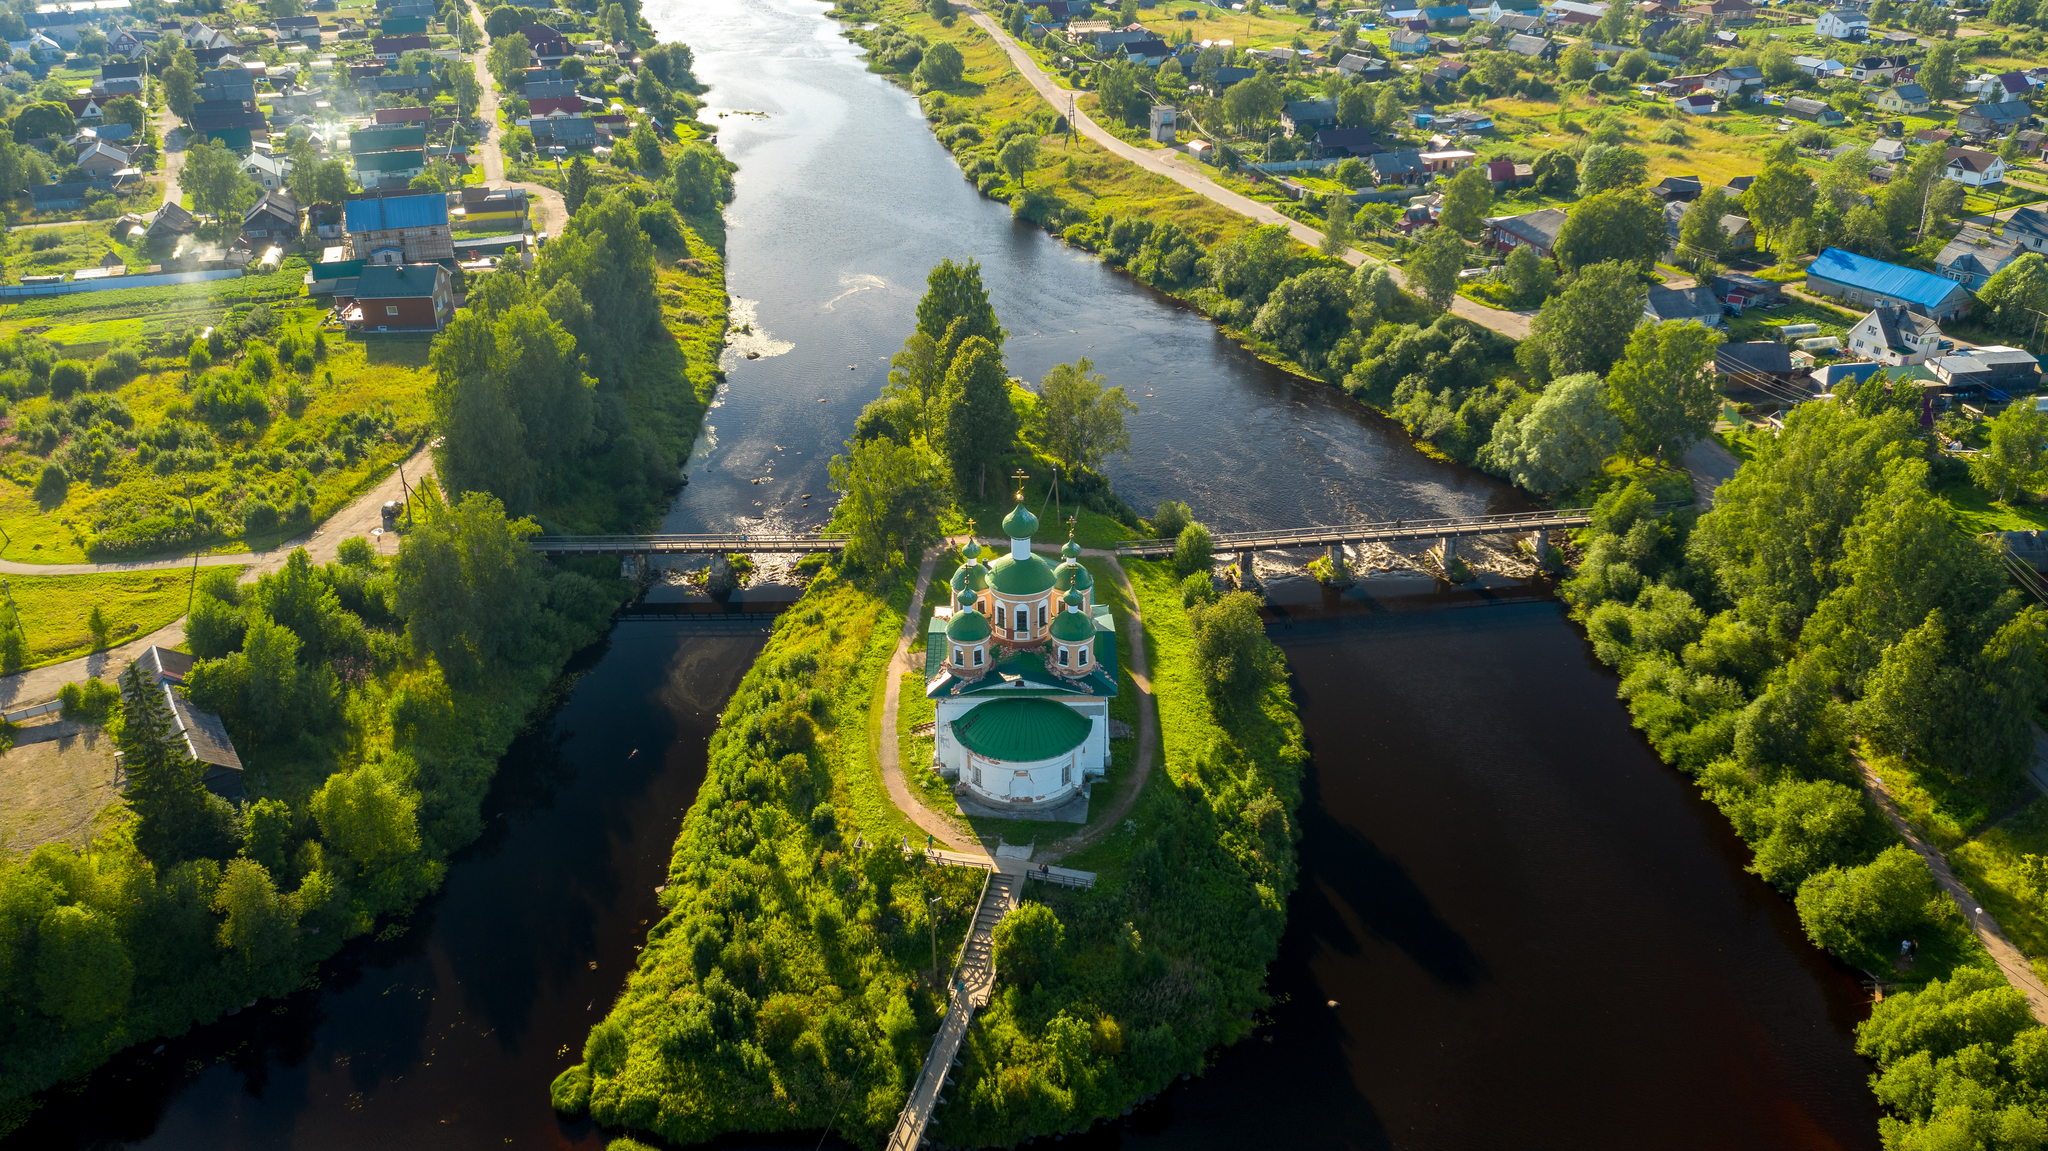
(1864, 911)
(570, 1091)
(89, 702)
(1171, 517)
(1193, 551)
(68, 376)
(259, 517)
(51, 481)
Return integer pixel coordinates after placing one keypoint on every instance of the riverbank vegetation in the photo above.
(1826, 613)
(370, 699)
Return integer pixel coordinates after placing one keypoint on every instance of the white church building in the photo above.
(1021, 666)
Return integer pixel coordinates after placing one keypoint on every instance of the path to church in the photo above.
(948, 829)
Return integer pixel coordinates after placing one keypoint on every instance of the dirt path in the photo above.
(944, 829)
(1710, 465)
(2018, 971)
(1187, 173)
(360, 518)
(553, 211)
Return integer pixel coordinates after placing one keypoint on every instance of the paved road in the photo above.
(1710, 465)
(553, 211)
(2018, 971)
(1187, 173)
(947, 829)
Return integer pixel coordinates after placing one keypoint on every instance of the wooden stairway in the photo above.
(973, 978)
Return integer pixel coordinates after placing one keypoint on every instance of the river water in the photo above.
(1515, 928)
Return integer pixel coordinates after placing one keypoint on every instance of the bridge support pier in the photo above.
(722, 582)
(1454, 568)
(1340, 572)
(1247, 571)
(1540, 542)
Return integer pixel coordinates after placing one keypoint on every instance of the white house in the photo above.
(1894, 336)
(1697, 104)
(1843, 24)
(1974, 169)
(1727, 81)
(270, 171)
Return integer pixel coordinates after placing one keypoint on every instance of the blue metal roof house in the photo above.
(1866, 282)
(393, 212)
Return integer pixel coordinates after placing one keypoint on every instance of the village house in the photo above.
(1338, 143)
(205, 740)
(400, 298)
(271, 171)
(272, 220)
(410, 229)
(1903, 98)
(389, 48)
(1894, 336)
(1728, 81)
(1307, 116)
(1681, 304)
(1801, 108)
(1864, 281)
(1843, 24)
(1402, 167)
(1536, 231)
(1986, 121)
(1759, 365)
(1989, 366)
(1697, 104)
(1973, 169)
(101, 161)
(1974, 256)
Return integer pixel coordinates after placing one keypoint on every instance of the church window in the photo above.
(977, 657)
(1063, 657)
(959, 657)
(977, 777)
(1041, 615)
(999, 616)
(1083, 661)
(1066, 774)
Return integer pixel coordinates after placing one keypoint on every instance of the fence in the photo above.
(113, 282)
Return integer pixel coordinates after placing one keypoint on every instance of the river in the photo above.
(1514, 927)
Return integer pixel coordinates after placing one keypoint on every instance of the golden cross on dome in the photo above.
(1020, 477)
(1071, 521)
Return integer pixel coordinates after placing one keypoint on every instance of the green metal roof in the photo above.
(1027, 576)
(1070, 576)
(1072, 550)
(1071, 626)
(971, 577)
(1022, 730)
(1020, 523)
(967, 627)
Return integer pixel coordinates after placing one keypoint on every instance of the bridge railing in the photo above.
(1418, 528)
(722, 542)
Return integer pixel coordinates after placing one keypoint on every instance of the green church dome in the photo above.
(1022, 730)
(1027, 576)
(1072, 625)
(1071, 576)
(971, 551)
(969, 626)
(1072, 551)
(971, 579)
(1020, 523)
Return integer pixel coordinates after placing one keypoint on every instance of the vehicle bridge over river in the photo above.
(1333, 537)
(722, 543)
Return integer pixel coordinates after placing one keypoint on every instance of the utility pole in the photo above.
(405, 491)
(932, 915)
(193, 586)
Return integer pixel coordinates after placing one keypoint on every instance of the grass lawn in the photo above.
(55, 610)
(1976, 512)
(1991, 865)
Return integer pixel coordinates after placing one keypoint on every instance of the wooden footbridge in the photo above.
(1335, 537)
(974, 976)
(765, 543)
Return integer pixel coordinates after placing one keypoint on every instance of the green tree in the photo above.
(942, 66)
(1778, 64)
(219, 187)
(1800, 827)
(469, 588)
(1626, 226)
(1579, 63)
(892, 496)
(2012, 300)
(258, 924)
(917, 372)
(1386, 108)
(1701, 239)
(47, 118)
(1584, 327)
(367, 817)
(576, 184)
(954, 292)
(981, 422)
(1530, 276)
(508, 58)
(1019, 156)
(127, 110)
(1028, 942)
(1863, 911)
(1561, 441)
(503, 20)
(469, 91)
(1612, 168)
(83, 972)
(1662, 389)
(513, 404)
(1938, 71)
(608, 259)
(1236, 658)
(1354, 108)
(1782, 194)
(1079, 418)
(1336, 227)
(1249, 103)
(1193, 549)
(1467, 201)
(163, 785)
(1309, 313)
(2018, 454)
(1433, 267)
(1556, 173)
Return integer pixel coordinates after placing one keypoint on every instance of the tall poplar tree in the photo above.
(954, 292)
(981, 423)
